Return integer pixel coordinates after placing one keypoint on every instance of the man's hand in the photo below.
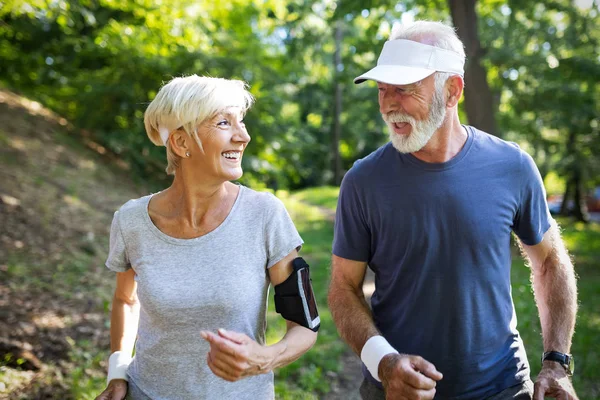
(116, 390)
(234, 356)
(408, 377)
(553, 382)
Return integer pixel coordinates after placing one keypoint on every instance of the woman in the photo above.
(194, 261)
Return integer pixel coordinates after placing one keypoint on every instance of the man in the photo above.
(431, 213)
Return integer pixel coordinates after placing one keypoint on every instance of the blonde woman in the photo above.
(194, 261)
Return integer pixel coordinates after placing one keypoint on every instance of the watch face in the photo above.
(566, 360)
(571, 365)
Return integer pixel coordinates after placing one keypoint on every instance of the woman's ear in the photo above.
(454, 87)
(179, 141)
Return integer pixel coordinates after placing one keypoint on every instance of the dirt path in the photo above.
(345, 385)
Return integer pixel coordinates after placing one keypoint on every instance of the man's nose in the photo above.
(388, 102)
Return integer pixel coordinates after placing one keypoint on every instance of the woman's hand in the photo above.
(116, 390)
(234, 356)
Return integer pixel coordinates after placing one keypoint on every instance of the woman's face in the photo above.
(224, 138)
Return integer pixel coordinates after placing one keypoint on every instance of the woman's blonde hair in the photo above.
(185, 102)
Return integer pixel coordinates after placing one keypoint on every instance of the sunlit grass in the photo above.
(308, 373)
(323, 196)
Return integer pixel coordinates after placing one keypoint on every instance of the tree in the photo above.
(479, 100)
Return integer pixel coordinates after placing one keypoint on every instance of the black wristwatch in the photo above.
(566, 360)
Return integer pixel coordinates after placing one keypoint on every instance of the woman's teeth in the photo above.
(232, 155)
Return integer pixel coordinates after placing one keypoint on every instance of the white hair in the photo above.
(185, 102)
(435, 34)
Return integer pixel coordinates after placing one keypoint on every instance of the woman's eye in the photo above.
(223, 123)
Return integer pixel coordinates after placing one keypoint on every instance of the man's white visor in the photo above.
(405, 61)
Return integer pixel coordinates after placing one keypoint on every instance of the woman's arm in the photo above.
(125, 313)
(297, 339)
(234, 355)
(123, 328)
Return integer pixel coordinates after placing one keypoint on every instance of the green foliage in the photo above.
(554, 184)
(99, 63)
(541, 62)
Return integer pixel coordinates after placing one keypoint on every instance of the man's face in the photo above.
(412, 112)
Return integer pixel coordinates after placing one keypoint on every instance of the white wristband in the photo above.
(117, 366)
(373, 351)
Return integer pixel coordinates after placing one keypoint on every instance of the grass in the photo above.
(583, 241)
(324, 196)
(306, 378)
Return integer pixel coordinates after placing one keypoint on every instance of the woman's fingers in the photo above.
(222, 369)
(223, 345)
(232, 355)
(236, 337)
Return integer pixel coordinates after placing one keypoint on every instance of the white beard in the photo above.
(422, 131)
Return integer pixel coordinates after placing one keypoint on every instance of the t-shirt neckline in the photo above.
(445, 165)
(192, 241)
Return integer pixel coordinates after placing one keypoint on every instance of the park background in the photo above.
(76, 77)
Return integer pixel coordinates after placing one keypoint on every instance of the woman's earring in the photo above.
(187, 153)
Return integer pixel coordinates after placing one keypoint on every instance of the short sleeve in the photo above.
(117, 254)
(280, 233)
(532, 219)
(351, 236)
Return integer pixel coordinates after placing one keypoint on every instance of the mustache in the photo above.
(396, 116)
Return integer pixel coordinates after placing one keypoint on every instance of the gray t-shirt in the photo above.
(218, 280)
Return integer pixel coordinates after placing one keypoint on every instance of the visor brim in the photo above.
(395, 74)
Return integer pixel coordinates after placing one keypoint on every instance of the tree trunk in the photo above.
(564, 207)
(580, 212)
(574, 184)
(335, 144)
(479, 100)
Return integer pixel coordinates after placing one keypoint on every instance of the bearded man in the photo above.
(431, 213)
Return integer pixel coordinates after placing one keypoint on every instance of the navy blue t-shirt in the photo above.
(437, 237)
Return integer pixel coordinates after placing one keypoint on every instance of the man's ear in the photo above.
(180, 143)
(454, 90)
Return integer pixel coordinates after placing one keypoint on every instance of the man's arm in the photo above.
(347, 304)
(403, 376)
(555, 290)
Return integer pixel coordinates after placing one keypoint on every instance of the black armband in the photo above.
(294, 298)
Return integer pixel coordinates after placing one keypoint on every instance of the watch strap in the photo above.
(561, 358)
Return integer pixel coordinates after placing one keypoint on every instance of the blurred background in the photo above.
(76, 77)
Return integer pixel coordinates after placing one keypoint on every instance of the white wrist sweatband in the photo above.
(117, 366)
(373, 351)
